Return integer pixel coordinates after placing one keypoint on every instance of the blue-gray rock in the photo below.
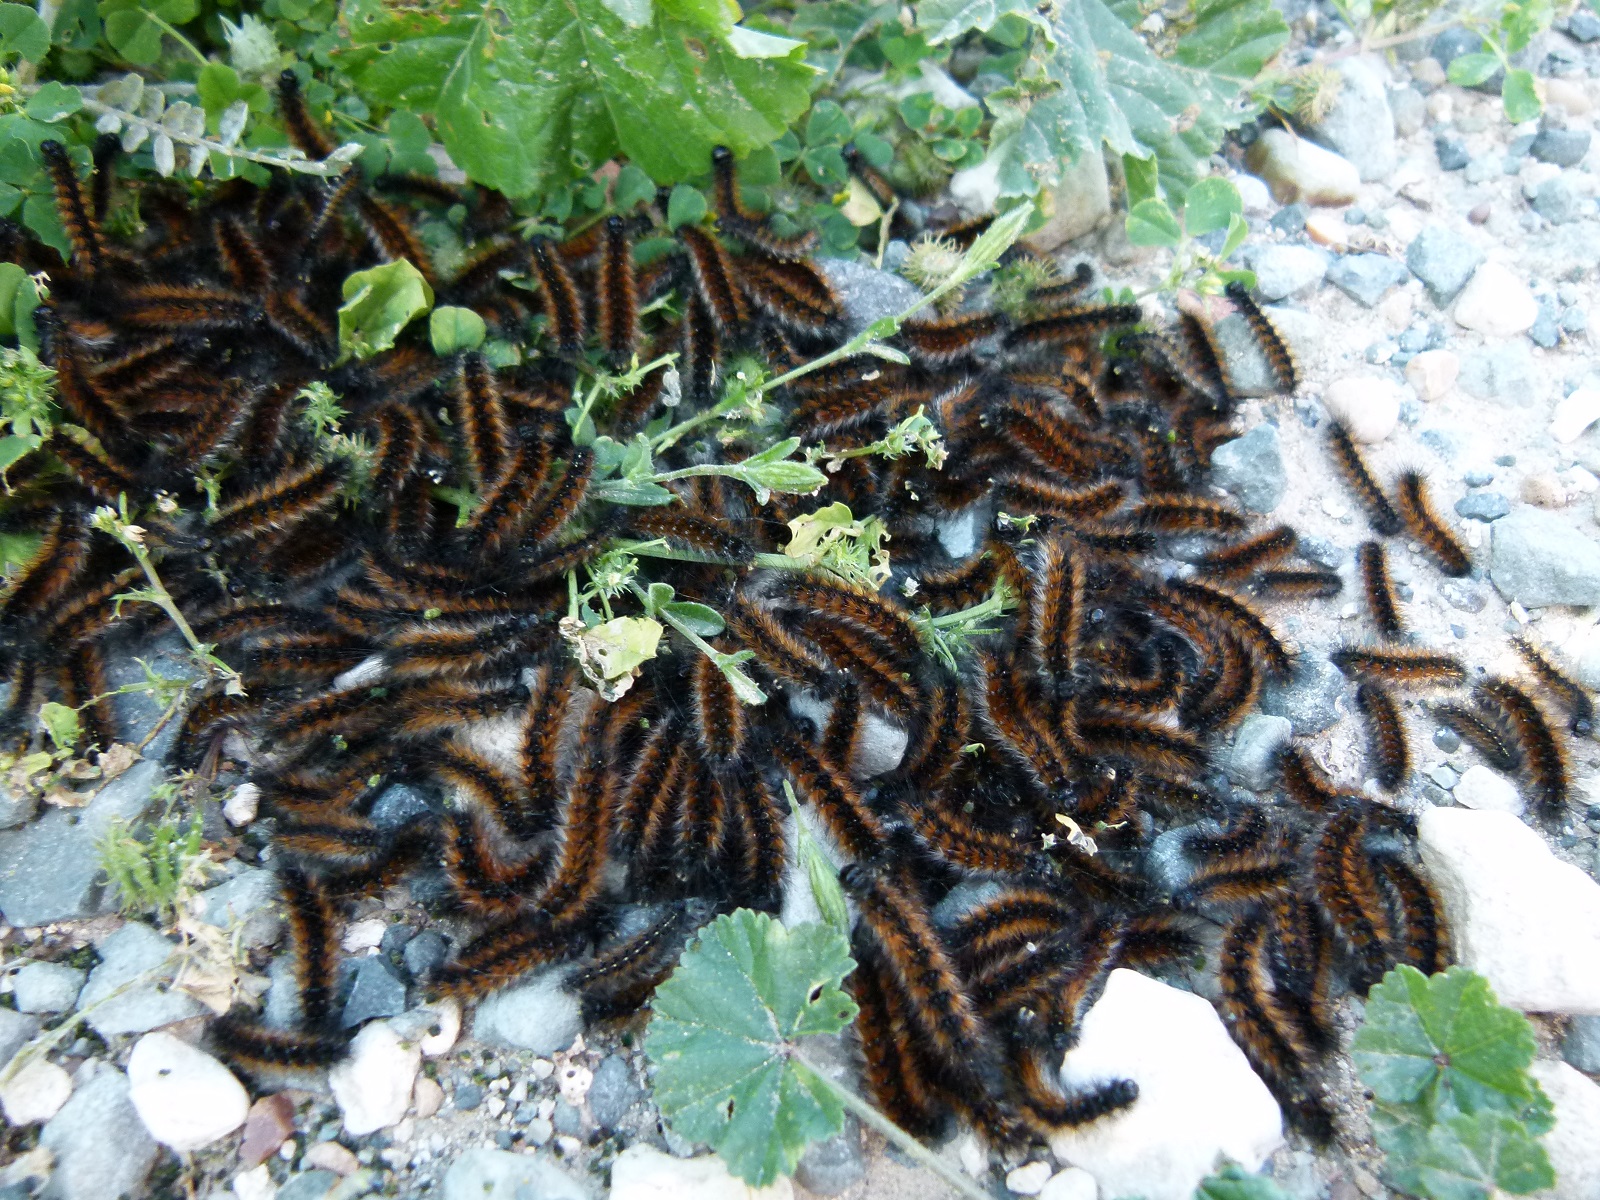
(1583, 26)
(1538, 558)
(1240, 350)
(135, 950)
(1581, 1046)
(1365, 278)
(1252, 760)
(49, 869)
(1483, 506)
(1310, 699)
(962, 898)
(1251, 468)
(612, 1092)
(1556, 201)
(395, 938)
(1447, 740)
(1574, 322)
(828, 1167)
(868, 293)
(1520, 146)
(896, 253)
(424, 954)
(485, 1174)
(307, 1185)
(567, 1119)
(1359, 125)
(1483, 168)
(376, 990)
(397, 805)
(1503, 372)
(1443, 260)
(1452, 153)
(47, 987)
(15, 1030)
(1168, 863)
(282, 1009)
(101, 1147)
(467, 1096)
(1410, 109)
(541, 1016)
(1544, 332)
(249, 900)
(1478, 478)
(136, 713)
(16, 808)
(1414, 340)
(1322, 552)
(1291, 218)
(1284, 271)
(1461, 595)
(1564, 147)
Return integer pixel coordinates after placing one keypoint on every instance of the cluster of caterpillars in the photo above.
(380, 637)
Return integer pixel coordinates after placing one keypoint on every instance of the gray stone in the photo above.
(1564, 147)
(1410, 110)
(1452, 152)
(397, 805)
(136, 713)
(1322, 552)
(1583, 26)
(828, 1167)
(1483, 506)
(1459, 594)
(1365, 278)
(395, 938)
(1478, 478)
(1574, 322)
(1310, 699)
(1251, 468)
(1240, 350)
(961, 899)
(1082, 203)
(1359, 125)
(16, 808)
(500, 1175)
(376, 990)
(281, 1009)
(49, 869)
(1447, 740)
(868, 293)
(134, 950)
(307, 1185)
(1543, 332)
(1556, 200)
(1252, 762)
(1581, 1046)
(567, 1119)
(1283, 271)
(249, 898)
(467, 1096)
(1443, 260)
(424, 954)
(1168, 863)
(1539, 558)
(15, 1031)
(541, 1016)
(1499, 373)
(612, 1092)
(47, 987)
(101, 1147)
(1291, 218)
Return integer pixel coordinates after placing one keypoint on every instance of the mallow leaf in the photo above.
(1233, 1182)
(724, 1032)
(529, 94)
(1459, 1157)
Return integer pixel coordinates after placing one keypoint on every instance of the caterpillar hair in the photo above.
(1400, 666)
(1306, 584)
(848, 818)
(945, 340)
(1486, 733)
(1423, 522)
(1239, 618)
(1544, 757)
(1072, 325)
(1280, 360)
(81, 224)
(1568, 692)
(1382, 602)
(620, 978)
(279, 504)
(257, 1048)
(1186, 514)
(719, 715)
(735, 218)
(1425, 938)
(561, 305)
(793, 293)
(892, 1072)
(1388, 745)
(1358, 477)
(1240, 877)
(480, 413)
(1347, 887)
(714, 279)
(1038, 496)
(1306, 783)
(618, 294)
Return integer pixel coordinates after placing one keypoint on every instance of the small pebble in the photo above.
(1479, 213)
(1447, 740)
(1029, 1179)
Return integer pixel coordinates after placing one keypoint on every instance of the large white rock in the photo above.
(1296, 169)
(1526, 921)
(1367, 405)
(1574, 414)
(35, 1093)
(186, 1098)
(644, 1173)
(1481, 788)
(373, 1085)
(1496, 302)
(1199, 1102)
(1574, 1144)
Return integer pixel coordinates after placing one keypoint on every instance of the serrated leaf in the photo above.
(685, 206)
(530, 94)
(378, 304)
(453, 329)
(23, 33)
(724, 1025)
(1520, 96)
(1469, 70)
(1445, 1038)
(633, 187)
(1233, 1182)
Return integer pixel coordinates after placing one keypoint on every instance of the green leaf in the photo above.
(827, 125)
(1461, 1157)
(1445, 1038)
(12, 277)
(1152, 223)
(379, 303)
(1468, 70)
(23, 33)
(18, 549)
(14, 446)
(685, 206)
(946, 20)
(1233, 1182)
(132, 28)
(745, 991)
(410, 138)
(1238, 230)
(1143, 178)
(53, 101)
(1211, 205)
(633, 188)
(218, 86)
(528, 94)
(1520, 97)
(61, 723)
(453, 329)
(700, 619)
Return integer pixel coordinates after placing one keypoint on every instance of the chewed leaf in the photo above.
(378, 304)
(723, 1032)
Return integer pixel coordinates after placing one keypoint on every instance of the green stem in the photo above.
(176, 36)
(914, 1149)
(305, 166)
(671, 437)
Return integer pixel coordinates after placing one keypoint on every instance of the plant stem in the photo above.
(868, 1115)
(176, 36)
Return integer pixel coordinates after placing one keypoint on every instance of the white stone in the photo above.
(1257, 200)
(1199, 1102)
(1574, 414)
(331, 1156)
(976, 190)
(1433, 373)
(1072, 1184)
(538, 1015)
(35, 1093)
(1496, 303)
(645, 1173)
(1080, 203)
(1368, 406)
(241, 807)
(1519, 916)
(1296, 169)
(186, 1098)
(1481, 788)
(1029, 1179)
(1569, 94)
(1574, 1144)
(255, 1184)
(361, 936)
(373, 1085)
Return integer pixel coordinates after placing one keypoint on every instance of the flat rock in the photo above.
(1500, 373)
(1564, 147)
(1444, 260)
(268, 1125)
(1432, 373)
(49, 869)
(612, 1092)
(1286, 270)
(1556, 200)
(833, 1165)
(425, 954)
(1481, 788)
(1252, 761)
(1581, 1046)
(101, 1147)
(1574, 1144)
(541, 1016)
(1539, 558)
(16, 1030)
(1310, 699)
(868, 293)
(250, 900)
(1199, 1102)
(373, 1083)
(1251, 468)
(186, 1098)
(1574, 414)
(130, 952)
(1367, 278)
(376, 990)
(500, 1175)
(35, 1093)
(1368, 405)
(1519, 916)
(1298, 170)
(47, 987)
(1240, 350)
(1081, 203)
(645, 1173)
(16, 808)
(1360, 125)
(1496, 303)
